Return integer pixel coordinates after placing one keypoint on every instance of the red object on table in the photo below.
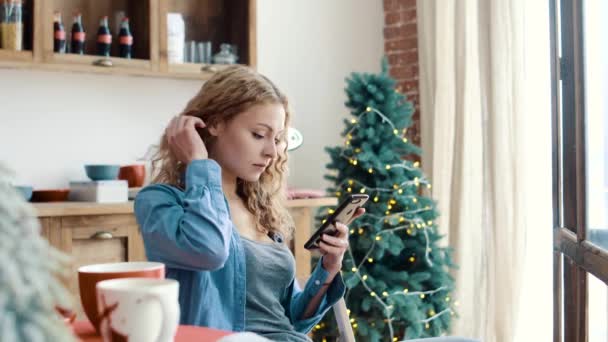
(185, 333)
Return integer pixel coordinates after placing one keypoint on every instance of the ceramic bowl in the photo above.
(25, 191)
(133, 174)
(51, 195)
(102, 171)
(90, 275)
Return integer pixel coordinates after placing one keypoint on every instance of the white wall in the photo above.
(52, 123)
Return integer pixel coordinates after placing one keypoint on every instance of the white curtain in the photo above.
(471, 55)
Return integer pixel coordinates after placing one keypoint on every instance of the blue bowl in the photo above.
(25, 191)
(102, 171)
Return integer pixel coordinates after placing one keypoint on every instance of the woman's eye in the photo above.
(277, 141)
(257, 136)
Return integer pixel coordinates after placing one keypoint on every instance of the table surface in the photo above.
(185, 333)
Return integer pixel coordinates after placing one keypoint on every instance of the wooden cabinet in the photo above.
(218, 21)
(92, 239)
(94, 233)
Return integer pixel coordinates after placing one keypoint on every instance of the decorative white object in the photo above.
(176, 36)
(106, 191)
(30, 291)
(294, 139)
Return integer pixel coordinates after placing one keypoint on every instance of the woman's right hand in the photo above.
(184, 141)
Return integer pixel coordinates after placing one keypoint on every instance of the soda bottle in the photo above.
(78, 36)
(104, 38)
(125, 39)
(58, 34)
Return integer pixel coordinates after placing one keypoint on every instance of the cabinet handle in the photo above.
(102, 236)
(104, 62)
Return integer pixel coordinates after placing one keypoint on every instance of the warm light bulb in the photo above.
(405, 140)
(353, 121)
(365, 277)
(388, 167)
(350, 182)
(368, 109)
(360, 231)
(422, 296)
(406, 290)
(416, 164)
(378, 238)
(357, 150)
(349, 189)
(331, 211)
(354, 269)
(370, 260)
(385, 294)
(370, 170)
(400, 191)
(355, 162)
(412, 259)
(376, 199)
(395, 131)
(373, 294)
(338, 193)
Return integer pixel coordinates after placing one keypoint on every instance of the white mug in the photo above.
(138, 309)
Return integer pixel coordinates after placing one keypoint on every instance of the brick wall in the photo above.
(401, 48)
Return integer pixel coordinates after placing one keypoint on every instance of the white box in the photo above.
(106, 191)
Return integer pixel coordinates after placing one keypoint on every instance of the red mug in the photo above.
(133, 174)
(90, 275)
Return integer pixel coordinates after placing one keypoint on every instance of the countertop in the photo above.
(92, 208)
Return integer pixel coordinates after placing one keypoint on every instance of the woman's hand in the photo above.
(334, 247)
(184, 141)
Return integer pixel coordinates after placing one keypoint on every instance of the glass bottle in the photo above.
(104, 38)
(125, 39)
(58, 34)
(78, 36)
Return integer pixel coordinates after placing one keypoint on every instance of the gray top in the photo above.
(270, 271)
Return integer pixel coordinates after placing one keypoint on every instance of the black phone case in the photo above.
(343, 214)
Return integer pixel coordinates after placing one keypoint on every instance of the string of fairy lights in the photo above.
(410, 225)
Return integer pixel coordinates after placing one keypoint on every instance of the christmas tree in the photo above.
(396, 273)
(30, 290)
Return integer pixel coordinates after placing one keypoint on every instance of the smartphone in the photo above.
(343, 213)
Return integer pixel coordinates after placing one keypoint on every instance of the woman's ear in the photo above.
(216, 129)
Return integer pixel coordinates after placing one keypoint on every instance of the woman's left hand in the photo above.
(334, 247)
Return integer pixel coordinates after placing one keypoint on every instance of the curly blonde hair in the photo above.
(224, 96)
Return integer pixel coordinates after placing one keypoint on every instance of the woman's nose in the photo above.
(271, 150)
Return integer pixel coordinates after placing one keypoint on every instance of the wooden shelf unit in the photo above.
(218, 21)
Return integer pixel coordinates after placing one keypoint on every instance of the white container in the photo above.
(176, 36)
(105, 191)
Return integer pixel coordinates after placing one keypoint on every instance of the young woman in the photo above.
(215, 214)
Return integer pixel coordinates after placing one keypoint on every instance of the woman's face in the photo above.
(249, 143)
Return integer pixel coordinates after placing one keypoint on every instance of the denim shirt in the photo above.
(192, 233)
